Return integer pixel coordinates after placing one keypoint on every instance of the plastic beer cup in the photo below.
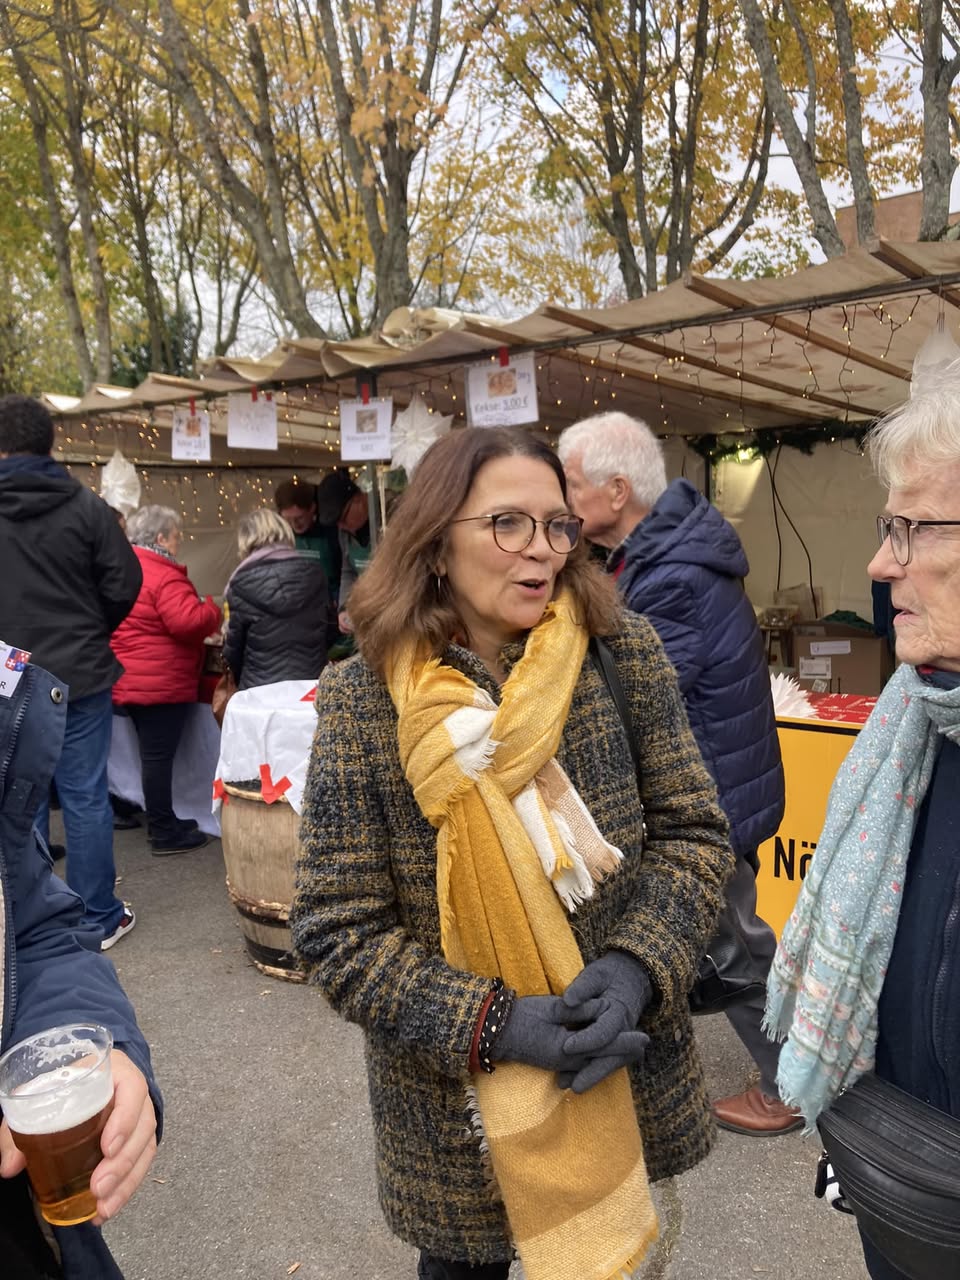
(56, 1093)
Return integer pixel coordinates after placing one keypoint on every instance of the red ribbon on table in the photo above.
(218, 791)
(309, 695)
(269, 789)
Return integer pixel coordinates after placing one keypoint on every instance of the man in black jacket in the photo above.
(69, 579)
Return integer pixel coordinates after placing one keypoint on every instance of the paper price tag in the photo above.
(818, 648)
(251, 420)
(190, 434)
(503, 395)
(365, 429)
(810, 667)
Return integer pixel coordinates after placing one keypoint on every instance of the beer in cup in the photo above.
(56, 1092)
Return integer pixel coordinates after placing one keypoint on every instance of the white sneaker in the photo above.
(127, 921)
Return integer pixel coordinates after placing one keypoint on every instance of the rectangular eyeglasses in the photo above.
(899, 529)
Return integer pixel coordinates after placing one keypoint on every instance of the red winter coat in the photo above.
(160, 642)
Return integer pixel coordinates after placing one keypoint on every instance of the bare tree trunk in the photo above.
(274, 253)
(60, 240)
(56, 224)
(937, 162)
(381, 159)
(616, 219)
(802, 150)
(74, 89)
(684, 239)
(161, 353)
(630, 273)
(853, 121)
(633, 132)
(364, 179)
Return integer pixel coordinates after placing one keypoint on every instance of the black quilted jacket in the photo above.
(279, 618)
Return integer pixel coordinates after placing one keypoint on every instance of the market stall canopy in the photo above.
(834, 343)
(138, 420)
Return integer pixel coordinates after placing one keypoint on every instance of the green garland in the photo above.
(767, 440)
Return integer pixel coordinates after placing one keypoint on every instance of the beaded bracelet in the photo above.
(498, 1012)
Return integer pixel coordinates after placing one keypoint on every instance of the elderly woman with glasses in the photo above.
(509, 909)
(867, 975)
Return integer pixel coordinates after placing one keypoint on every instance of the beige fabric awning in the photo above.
(833, 343)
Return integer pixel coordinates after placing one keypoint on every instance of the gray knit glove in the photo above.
(627, 1048)
(611, 992)
(537, 1029)
(535, 1032)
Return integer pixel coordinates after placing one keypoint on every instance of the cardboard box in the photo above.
(831, 657)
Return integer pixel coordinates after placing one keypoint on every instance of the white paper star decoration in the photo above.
(789, 699)
(936, 366)
(120, 484)
(414, 431)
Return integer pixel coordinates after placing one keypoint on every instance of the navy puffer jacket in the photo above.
(279, 620)
(682, 567)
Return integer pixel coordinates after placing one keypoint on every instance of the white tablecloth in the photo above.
(194, 766)
(267, 735)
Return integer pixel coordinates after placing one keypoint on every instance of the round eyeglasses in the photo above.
(899, 529)
(513, 531)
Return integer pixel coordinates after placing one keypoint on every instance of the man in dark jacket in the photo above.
(70, 577)
(52, 973)
(679, 562)
(296, 501)
(344, 504)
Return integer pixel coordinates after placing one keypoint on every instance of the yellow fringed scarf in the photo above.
(512, 845)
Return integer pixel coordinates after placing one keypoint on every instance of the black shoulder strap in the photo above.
(603, 661)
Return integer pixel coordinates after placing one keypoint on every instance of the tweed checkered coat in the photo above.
(365, 924)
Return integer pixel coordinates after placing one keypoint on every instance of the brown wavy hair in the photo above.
(398, 595)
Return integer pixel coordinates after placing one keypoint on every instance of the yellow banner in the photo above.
(813, 751)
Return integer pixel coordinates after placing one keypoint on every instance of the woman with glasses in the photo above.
(867, 974)
(478, 888)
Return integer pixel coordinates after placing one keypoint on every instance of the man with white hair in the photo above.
(681, 564)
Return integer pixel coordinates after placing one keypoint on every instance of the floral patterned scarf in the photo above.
(825, 983)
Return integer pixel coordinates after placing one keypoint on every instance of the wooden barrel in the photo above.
(260, 849)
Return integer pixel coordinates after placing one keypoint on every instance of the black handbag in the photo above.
(897, 1163)
(728, 973)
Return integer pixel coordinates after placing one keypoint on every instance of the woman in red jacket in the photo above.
(160, 644)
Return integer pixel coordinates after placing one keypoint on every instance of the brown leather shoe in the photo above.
(756, 1114)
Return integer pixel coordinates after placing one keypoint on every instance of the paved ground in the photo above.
(265, 1170)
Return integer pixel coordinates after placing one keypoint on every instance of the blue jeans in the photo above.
(81, 778)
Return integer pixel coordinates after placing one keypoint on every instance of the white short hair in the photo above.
(614, 444)
(918, 438)
(146, 524)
